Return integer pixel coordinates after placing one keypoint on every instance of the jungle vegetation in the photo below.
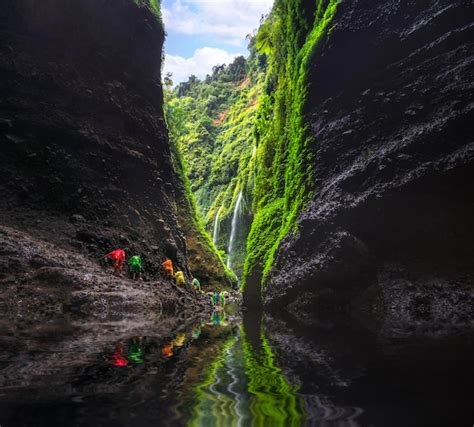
(243, 129)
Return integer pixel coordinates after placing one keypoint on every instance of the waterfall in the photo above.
(233, 229)
(215, 231)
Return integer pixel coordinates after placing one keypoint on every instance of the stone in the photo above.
(76, 218)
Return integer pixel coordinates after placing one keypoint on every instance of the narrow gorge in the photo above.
(315, 193)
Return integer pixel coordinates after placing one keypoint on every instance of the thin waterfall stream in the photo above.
(233, 232)
(215, 231)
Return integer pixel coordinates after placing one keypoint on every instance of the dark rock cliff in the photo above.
(85, 160)
(388, 233)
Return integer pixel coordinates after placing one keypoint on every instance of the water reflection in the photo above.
(218, 318)
(244, 386)
(124, 354)
(135, 350)
(213, 372)
(118, 356)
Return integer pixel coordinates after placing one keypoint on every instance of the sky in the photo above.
(204, 33)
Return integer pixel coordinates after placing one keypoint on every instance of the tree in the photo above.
(167, 81)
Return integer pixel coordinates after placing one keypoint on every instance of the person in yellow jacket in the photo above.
(179, 277)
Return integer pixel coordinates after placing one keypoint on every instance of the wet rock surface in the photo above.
(348, 376)
(85, 161)
(44, 282)
(85, 141)
(95, 373)
(388, 234)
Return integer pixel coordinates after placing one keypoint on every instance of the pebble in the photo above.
(77, 218)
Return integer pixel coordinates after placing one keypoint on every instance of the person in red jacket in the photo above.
(118, 258)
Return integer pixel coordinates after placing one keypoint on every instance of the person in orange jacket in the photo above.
(168, 266)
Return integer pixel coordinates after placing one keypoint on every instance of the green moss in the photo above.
(206, 405)
(284, 181)
(263, 235)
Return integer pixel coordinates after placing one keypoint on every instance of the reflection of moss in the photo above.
(207, 405)
(274, 401)
(265, 396)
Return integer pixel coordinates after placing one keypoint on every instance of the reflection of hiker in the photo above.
(168, 266)
(167, 350)
(135, 351)
(196, 285)
(179, 340)
(135, 267)
(180, 280)
(118, 257)
(218, 318)
(118, 357)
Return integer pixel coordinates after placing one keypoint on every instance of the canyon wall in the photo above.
(388, 231)
(85, 160)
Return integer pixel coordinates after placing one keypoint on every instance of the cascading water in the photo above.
(233, 230)
(215, 231)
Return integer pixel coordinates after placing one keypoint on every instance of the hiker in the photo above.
(180, 280)
(168, 266)
(135, 267)
(211, 295)
(215, 299)
(196, 332)
(196, 285)
(223, 296)
(118, 257)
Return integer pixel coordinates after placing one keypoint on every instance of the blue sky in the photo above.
(204, 33)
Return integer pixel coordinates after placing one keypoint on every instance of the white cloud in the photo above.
(229, 20)
(199, 64)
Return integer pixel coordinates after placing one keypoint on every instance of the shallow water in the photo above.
(254, 373)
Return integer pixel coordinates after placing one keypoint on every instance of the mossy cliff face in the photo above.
(283, 181)
(86, 161)
(389, 226)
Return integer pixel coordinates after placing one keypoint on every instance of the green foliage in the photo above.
(283, 182)
(153, 5)
(191, 207)
(218, 122)
(212, 123)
